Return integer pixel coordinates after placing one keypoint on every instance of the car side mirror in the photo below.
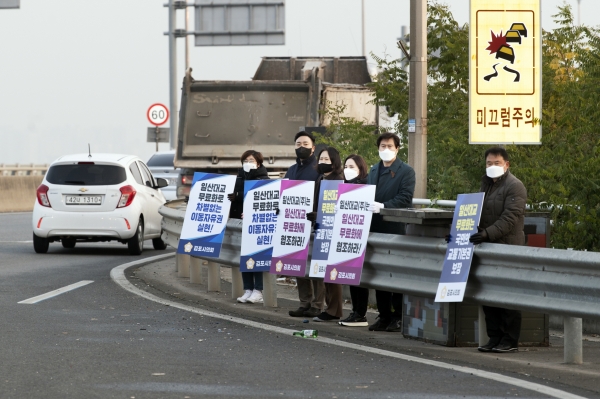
(161, 182)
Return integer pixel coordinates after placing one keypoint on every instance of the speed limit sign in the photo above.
(158, 114)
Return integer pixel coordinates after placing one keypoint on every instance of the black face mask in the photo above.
(324, 168)
(303, 152)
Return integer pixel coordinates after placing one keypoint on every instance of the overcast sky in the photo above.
(74, 72)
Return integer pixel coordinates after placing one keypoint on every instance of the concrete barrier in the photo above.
(17, 193)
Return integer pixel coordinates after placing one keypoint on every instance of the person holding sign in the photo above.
(355, 172)
(330, 168)
(502, 221)
(252, 169)
(395, 181)
(310, 292)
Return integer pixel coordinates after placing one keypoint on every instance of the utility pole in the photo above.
(578, 12)
(172, 74)
(364, 46)
(417, 108)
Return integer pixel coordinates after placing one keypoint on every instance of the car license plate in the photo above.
(83, 200)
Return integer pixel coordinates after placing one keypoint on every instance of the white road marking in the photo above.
(16, 242)
(118, 276)
(57, 292)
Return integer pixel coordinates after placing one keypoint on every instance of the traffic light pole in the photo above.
(417, 108)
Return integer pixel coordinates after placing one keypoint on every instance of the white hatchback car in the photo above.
(98, 197)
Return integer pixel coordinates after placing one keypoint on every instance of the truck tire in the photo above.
(136, 243)
(40, 244)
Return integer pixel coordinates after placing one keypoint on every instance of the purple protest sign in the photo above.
(350, 234)
(292, 235)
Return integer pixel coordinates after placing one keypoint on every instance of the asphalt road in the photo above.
(102, 341)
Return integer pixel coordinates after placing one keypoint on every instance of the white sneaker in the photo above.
(244, 298)
(256, 297)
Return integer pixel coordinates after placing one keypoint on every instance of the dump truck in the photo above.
(219, 120)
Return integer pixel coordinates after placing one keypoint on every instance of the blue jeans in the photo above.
(253, 280)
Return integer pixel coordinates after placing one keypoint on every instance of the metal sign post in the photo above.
(158, 114)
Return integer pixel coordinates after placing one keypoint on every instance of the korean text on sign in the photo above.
(206, 215)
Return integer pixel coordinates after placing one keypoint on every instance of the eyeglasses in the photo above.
(247, 161)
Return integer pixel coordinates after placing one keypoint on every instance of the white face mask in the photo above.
(248, 167)
(350, 174)
(494, 171)
(387, 155)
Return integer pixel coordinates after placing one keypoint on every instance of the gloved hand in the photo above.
(316, 226)
(448, 238)
(376, 207)
(479, 237)
(277, 211)
(312, 216)
(231, 197)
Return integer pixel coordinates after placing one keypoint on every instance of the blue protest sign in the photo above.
(459, 254)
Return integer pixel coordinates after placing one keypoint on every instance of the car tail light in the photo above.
(187, 179)
(127, 196)
(42, 195)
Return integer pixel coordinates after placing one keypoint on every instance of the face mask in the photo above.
(494, 171)
(303, 152)
(248, 167)
(324, 168)
(350, 174)
(387, 155)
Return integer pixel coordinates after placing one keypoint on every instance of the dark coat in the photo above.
(303, 170)
(395, 189)
(503, 213)
(237, 206)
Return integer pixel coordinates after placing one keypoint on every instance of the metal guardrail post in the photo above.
(196, 270)
(183, 265)
(269, 290)
(237, 284)
(214, 276)
(483, 337)
(573, 340)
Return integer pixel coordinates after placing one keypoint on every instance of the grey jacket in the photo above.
(503, 213)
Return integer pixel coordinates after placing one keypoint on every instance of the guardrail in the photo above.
(526, 278)
(22, 170)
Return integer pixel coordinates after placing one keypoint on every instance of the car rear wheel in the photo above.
(136, 243)
(158, 243)
(40, 244)
(68, 243)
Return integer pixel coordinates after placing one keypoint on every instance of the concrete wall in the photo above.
(17, 193)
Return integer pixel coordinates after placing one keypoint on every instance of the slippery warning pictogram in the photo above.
(501, 47)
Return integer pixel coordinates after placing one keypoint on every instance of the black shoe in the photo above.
(298, 313)
(312, 312)
(379, 325)
(503, 347)
(324, 316)
(394, 326)
(493, 342)
(354, 320)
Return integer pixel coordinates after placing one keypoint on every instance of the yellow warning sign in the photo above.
(505, 94)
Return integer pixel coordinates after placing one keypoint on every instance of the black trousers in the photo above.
(503, 324)
(385, 301)
(360, 299)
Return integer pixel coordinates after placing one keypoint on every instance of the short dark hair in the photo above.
(257, 155)
(303, 133)
(334, 156)
(387, 136)
(497, 151)
(360, 162)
